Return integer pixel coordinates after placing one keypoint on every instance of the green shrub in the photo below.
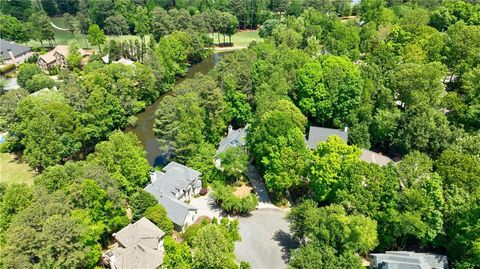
(26, 72)
(7, 68)
(38, 82)
(158, 215)
(189, 233)
(228, 201)
(140, 201)
(244, 265)
(32, 59)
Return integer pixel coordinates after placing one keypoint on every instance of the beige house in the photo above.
(139, 246)
(58, 56)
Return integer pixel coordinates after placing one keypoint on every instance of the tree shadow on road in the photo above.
(286, 242)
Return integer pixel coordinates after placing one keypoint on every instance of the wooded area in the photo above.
(402, 77)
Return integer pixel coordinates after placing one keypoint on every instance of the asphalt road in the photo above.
(266, 239)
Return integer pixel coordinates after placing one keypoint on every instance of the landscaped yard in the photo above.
(12, 171)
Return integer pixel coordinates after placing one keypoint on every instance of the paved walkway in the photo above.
(11, 84)
(257, 183)
(207, 207)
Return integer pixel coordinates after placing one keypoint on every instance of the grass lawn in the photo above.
(12, 171)
(240, 39)
(244, 38)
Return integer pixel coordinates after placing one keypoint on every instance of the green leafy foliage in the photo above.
(212, 248)
(96, 36)
(330, 235)
(158, 215)
(140, 201)
(26, 72)
(231, 203)
(177, 255)
(233, 162)
(325, 166)
(124, 157)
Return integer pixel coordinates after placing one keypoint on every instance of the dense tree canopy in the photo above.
(403, 77)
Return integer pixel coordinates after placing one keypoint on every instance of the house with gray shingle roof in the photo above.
(234, 138)
(13, 52)
(140, 245)
(321, 134)
(408, 260)
(172, 187)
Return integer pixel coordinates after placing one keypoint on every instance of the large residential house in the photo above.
(408, 260)
(140, 246)
(172, 187)
(58, 57)
(13, 53)
(321, 134)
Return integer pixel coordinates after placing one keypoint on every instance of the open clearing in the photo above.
(13, 171)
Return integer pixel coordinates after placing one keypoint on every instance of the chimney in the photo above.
(230, 128)
(14, 61)
(346, 129)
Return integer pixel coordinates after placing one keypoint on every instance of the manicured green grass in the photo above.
(12, 171)
(240, 39)
(245, 37)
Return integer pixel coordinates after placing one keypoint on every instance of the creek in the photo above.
(144, 125)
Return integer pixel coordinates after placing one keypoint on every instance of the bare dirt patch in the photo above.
(242, 191)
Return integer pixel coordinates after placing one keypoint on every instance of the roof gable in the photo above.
(142, 231)
(138, 256)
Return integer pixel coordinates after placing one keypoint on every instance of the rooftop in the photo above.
(373, 157)
(16, 49)
(137, 257)
(234, 138)
(142, 231)
(165, 185)
(408, 260)
(63, 50)
(321, 134)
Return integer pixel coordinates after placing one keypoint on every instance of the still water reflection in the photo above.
(144, 127)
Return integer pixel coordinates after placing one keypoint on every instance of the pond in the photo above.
(144, 125)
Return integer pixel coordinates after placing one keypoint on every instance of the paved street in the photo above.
(266, 239)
